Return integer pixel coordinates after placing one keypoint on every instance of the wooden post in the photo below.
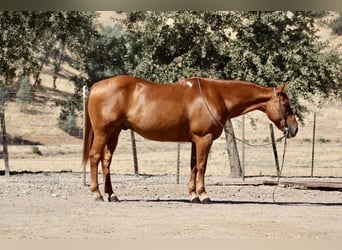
(84, 103)
(134, 151)
(274, 150)
(233, 154)
(178, 162)
(3, 139)
(243, 148)
(313, 144)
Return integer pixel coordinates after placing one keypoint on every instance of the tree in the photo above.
(73, 30)
(234, 159)
(29, 38)
(64, 33)
(16, 39)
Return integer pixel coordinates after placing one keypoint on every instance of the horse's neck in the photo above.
(244, 97)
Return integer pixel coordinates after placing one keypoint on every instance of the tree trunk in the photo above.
(233, 154)
(58, 65)
(37, 80)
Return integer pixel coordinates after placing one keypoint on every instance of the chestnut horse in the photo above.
(191, 110)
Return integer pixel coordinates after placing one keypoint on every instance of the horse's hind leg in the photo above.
(105, 162)
(95, 156)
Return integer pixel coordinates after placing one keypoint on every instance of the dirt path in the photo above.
(58, 206)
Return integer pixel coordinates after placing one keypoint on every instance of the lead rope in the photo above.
(281, 169)
(285, 145)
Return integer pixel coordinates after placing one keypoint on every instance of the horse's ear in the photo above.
(282, 87)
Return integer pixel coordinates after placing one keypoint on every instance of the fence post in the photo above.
(274, 150)
(243, 147)
(3, 140)
(233, 154)
(313, 144)
(178, 162)
(84, 103)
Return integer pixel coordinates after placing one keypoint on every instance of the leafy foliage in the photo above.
(29, 38)
(166, 46)
(17, 42)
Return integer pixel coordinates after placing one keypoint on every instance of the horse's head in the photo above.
(280, 113)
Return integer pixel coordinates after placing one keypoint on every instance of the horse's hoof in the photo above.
(206, 201)
(195, 200)
(113, 199)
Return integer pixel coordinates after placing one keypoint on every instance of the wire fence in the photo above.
(36, 143)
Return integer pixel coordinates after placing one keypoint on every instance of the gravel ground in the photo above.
(52, 205)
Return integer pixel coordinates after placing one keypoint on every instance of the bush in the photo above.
(36, 150)
(24, 93)
(67, 119)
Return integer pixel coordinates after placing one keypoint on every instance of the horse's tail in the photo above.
(87, 137)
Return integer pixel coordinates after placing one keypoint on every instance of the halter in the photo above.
(281, 112)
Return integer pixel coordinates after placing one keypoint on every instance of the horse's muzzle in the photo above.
(290, 131)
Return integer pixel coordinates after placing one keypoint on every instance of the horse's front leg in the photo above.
(203, 145)
(193, 175)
